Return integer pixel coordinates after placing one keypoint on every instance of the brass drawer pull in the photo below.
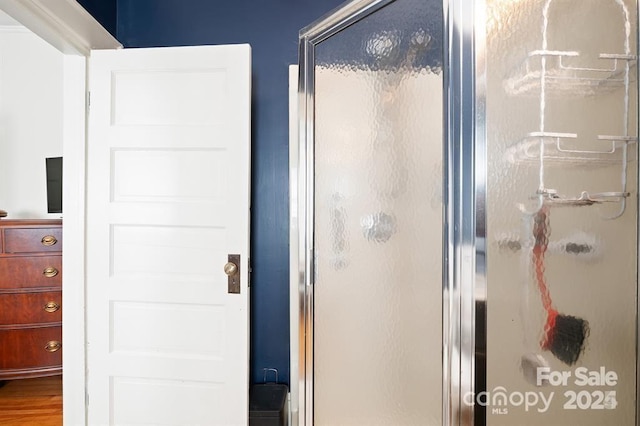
(50, 272)
(48, 240)
(51, 307)
(53, 346)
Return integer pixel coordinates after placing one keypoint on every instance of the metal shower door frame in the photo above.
(464, 285)
(464, 147)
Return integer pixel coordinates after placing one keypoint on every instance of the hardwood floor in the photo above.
(31, 402)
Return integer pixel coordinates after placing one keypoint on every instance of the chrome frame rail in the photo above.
(465, 187)
(480, 326)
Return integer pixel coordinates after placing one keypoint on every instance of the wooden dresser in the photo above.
(30, 298)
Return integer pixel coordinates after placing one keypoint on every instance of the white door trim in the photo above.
(294, 234)
(73, 282)
(74, 32)
(64, 24)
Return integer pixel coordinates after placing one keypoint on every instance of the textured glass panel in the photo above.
(562, 213)
(378, 220)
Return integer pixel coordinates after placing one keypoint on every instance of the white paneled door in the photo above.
(167, 202)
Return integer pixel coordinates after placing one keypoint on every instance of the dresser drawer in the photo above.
(32, 240)
(30, 271)
(31, 308)
(30, 348)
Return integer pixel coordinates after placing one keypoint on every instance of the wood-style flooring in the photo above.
(36, 402)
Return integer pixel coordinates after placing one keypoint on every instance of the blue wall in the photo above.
(105, 12)
(271, 28)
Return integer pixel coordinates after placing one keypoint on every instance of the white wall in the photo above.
(30, 120)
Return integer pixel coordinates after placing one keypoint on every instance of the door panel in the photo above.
(377, 218)
(168, 200)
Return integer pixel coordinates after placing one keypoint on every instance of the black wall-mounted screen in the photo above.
(54, 184)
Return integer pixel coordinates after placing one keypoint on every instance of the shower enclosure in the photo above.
(465, 214)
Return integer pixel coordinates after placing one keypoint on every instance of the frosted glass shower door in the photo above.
(378, 148)
(562, 248)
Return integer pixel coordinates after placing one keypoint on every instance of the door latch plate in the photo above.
(233, 279)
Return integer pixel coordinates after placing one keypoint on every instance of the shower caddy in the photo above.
(549, 72)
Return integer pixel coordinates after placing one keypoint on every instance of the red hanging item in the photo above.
(564, 335)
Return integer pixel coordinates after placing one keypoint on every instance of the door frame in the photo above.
(74, 32)
(302, 163)
(464, 277)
